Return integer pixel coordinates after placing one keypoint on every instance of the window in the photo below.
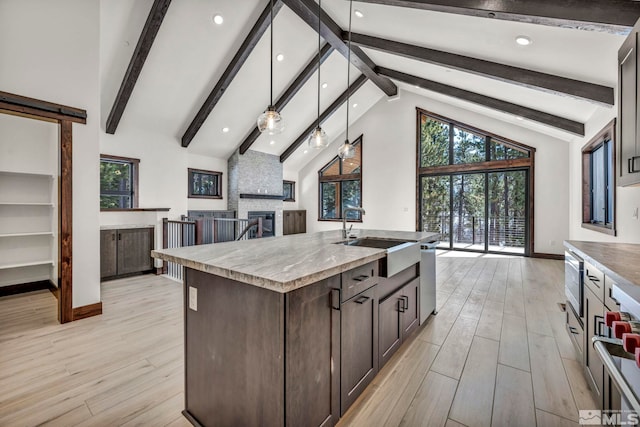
(288, 191)
(205, 184)
(118, 182)
(598, 182)
(341, 186)
(473, 187)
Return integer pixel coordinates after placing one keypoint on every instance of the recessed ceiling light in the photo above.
(355, 105)
(358, 13)
(225, 130)
(523, 40)
(305, 151)
(324, 85)
(272, 142)
(280, 57)
(218, 19)
(519, 118)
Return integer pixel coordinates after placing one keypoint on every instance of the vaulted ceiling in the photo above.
(193, 65)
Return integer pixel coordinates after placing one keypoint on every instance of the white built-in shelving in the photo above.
(27, 264)
(41, 233)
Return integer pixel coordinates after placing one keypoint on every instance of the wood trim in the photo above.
(135, 174)
(480, 166)
(599, 94)
(616, 16)
(120, 158)
(191, 171)
(290, 92)
(40, 110)
(599, 228)
(346, 177)
(357, 84)
(293, 191)
(231, 71)
(22, 288)
(331, 32)
(87, 311)
(65, 235)
(531, 196)
(562, 123)
(547, 256)
(147, 37)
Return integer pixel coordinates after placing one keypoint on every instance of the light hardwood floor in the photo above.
(496, 354)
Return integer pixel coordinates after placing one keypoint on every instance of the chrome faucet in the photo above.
(345, 233)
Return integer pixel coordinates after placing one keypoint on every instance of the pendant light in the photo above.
(318, 138)
(347, 150)
(271, 121)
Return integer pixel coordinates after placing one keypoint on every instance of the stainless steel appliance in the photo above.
(427, 280)
(622, 367)
(573, 282)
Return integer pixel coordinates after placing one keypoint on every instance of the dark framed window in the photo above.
(288, 191)
(340, 186)
(474, 188)
(205, 184)
(118, 182)
(598, 181)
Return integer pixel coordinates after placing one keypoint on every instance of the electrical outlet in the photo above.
(193, 298)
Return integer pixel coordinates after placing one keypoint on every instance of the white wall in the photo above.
(49, 51)
(389, 169)
(627, 198)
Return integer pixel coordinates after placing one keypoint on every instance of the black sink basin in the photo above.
(372, 242)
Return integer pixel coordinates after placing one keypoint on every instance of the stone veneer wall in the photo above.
(255, 173)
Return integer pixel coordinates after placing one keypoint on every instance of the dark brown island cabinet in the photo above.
(256, 357)
(125, 251)
(628, 165)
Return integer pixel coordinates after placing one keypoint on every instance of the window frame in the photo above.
(606, 136)
(339, 179)
(191, 172)
(293, 191)
(135, 166)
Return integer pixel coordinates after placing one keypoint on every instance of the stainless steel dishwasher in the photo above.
(427, 279)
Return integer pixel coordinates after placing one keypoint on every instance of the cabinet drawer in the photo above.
(574, 328)
(609, 301)
(359, 279)
(594, 279)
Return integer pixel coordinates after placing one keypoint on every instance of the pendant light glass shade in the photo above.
(347, 150)
(270, 121)
(318, 139)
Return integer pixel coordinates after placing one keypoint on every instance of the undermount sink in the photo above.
(373, 242)
(400, 253)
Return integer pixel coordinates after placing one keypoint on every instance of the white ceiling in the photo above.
(190, 53)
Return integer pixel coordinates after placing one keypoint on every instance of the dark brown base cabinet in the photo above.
(255, 357)
(125, 251)
(294, 222)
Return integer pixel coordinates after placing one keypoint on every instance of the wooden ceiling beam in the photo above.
(612, 16)
(357, 84)
(290, 92)
(147, 37)
(249, 43)
(331, 32)
(599, 94)
(561, 123)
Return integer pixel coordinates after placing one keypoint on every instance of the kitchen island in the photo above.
(290, 330)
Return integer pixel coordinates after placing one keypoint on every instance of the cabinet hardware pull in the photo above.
(119, 236)
(405, 301)
(113, 236)
(362, 299)
(632, 164)
(401, 305)
(333, 293)
(611, 296)
(361, 278)
(573, 330)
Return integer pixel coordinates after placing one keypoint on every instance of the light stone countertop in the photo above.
(125, 226)
(285, 263)
(620, 261)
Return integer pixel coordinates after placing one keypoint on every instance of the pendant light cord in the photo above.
(319, 57)
(271, 58)
(349, 65)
